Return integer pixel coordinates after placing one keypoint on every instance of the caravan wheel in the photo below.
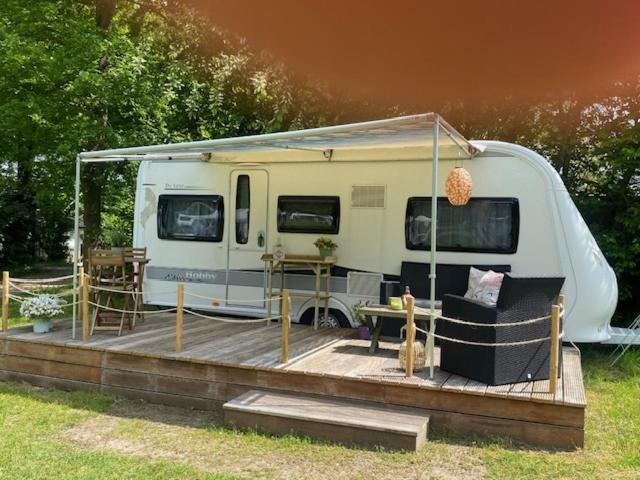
(331, 321)
(336, 319)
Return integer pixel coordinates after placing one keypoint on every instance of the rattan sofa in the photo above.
(520, 298)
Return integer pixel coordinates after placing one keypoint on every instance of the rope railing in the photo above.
(231, 320)
(41, 280)
(231, 300)
(557, 312)
(81, 298)
(497, 325)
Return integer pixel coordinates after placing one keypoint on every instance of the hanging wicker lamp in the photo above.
(459, 186)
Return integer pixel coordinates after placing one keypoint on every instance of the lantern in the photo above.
(459, 186)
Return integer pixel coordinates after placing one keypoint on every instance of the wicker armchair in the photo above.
(520, 299)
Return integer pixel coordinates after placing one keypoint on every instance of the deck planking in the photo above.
(222, 360)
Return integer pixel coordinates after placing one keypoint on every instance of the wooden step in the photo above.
(338, 421)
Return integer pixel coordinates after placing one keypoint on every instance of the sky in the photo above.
(415, 53)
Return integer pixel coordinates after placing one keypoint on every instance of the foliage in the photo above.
(90, 74)
(325, 243)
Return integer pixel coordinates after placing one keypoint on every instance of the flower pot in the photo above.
(42, 325)
(364, 333)
(325, 252)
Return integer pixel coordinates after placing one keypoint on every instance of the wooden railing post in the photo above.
(5, 302)
(411, 336)
(84, 295)
(285, 326)
(553, 356)
(179, 317)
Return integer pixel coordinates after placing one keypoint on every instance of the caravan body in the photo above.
(207, 223)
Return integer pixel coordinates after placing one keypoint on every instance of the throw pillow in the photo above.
(475, 276)
(489, 288)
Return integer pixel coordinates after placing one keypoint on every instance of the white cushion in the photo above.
(475, 276)
(488, 289)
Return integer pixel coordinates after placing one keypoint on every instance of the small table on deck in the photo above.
(320, 266)
(381, 311)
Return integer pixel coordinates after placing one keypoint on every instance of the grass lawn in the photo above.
(55, 434)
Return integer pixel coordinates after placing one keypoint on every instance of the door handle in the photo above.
(261, 239)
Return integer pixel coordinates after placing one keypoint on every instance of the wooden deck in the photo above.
(220, 361)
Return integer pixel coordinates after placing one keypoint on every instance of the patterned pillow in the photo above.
(488, 289)
(475, 275)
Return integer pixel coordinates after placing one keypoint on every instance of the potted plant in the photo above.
(325, 246)
(364, 324)
(41, 310)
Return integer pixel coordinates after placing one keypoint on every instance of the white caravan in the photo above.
(207, 211)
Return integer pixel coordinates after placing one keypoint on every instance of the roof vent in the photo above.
(368, 196)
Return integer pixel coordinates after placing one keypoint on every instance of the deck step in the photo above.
(338, 421)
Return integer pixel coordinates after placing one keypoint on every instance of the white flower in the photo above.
(42, 306)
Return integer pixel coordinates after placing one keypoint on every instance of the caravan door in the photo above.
(247, 238)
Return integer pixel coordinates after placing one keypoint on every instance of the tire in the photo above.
(337, 319)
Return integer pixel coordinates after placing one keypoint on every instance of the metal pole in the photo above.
(76, 247)
(434, 226)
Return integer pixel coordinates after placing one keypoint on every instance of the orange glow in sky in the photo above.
(416, 52)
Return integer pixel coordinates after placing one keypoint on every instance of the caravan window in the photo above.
(486, 225)
(308, 214)
(191, 217)
(243, 203)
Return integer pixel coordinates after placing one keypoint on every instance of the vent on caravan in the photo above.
(367, 196)
(361, 284)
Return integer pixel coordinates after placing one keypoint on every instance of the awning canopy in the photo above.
(401, 138)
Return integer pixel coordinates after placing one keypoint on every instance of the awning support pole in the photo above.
(76, 247)
(434, 226)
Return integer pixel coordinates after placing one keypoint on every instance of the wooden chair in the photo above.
(136, 260)
(107, 269)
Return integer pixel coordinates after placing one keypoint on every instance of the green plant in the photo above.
(325, 243)
(359, 317)
(117, 238)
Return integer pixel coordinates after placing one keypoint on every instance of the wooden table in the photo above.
(382, 311)
(320, 266)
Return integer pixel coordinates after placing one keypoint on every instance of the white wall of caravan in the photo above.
(553, 238)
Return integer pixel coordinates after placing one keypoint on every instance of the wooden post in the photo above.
(411, 336)
(179, 317)
(5, 302)
(553, 356)
(285, 326)
(84, 293)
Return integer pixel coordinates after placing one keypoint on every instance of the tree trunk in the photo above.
(26, 234)
(92, 182)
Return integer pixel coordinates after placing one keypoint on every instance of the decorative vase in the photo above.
(325, 252)
(364, 333)
(419, 357)
(42, 325)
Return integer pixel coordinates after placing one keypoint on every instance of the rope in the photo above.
(16, 298)
(257, 300)
(113, 290)
(153, 312)
(497, 325)
(41, 280)
(508, 344)
(28, 292)
(233, 320)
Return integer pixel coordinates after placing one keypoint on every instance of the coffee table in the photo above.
(382, 311)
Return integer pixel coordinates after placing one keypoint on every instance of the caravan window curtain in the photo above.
(484, 225)
(191, 217)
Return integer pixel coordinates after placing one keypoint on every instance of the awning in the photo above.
(401, 138)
